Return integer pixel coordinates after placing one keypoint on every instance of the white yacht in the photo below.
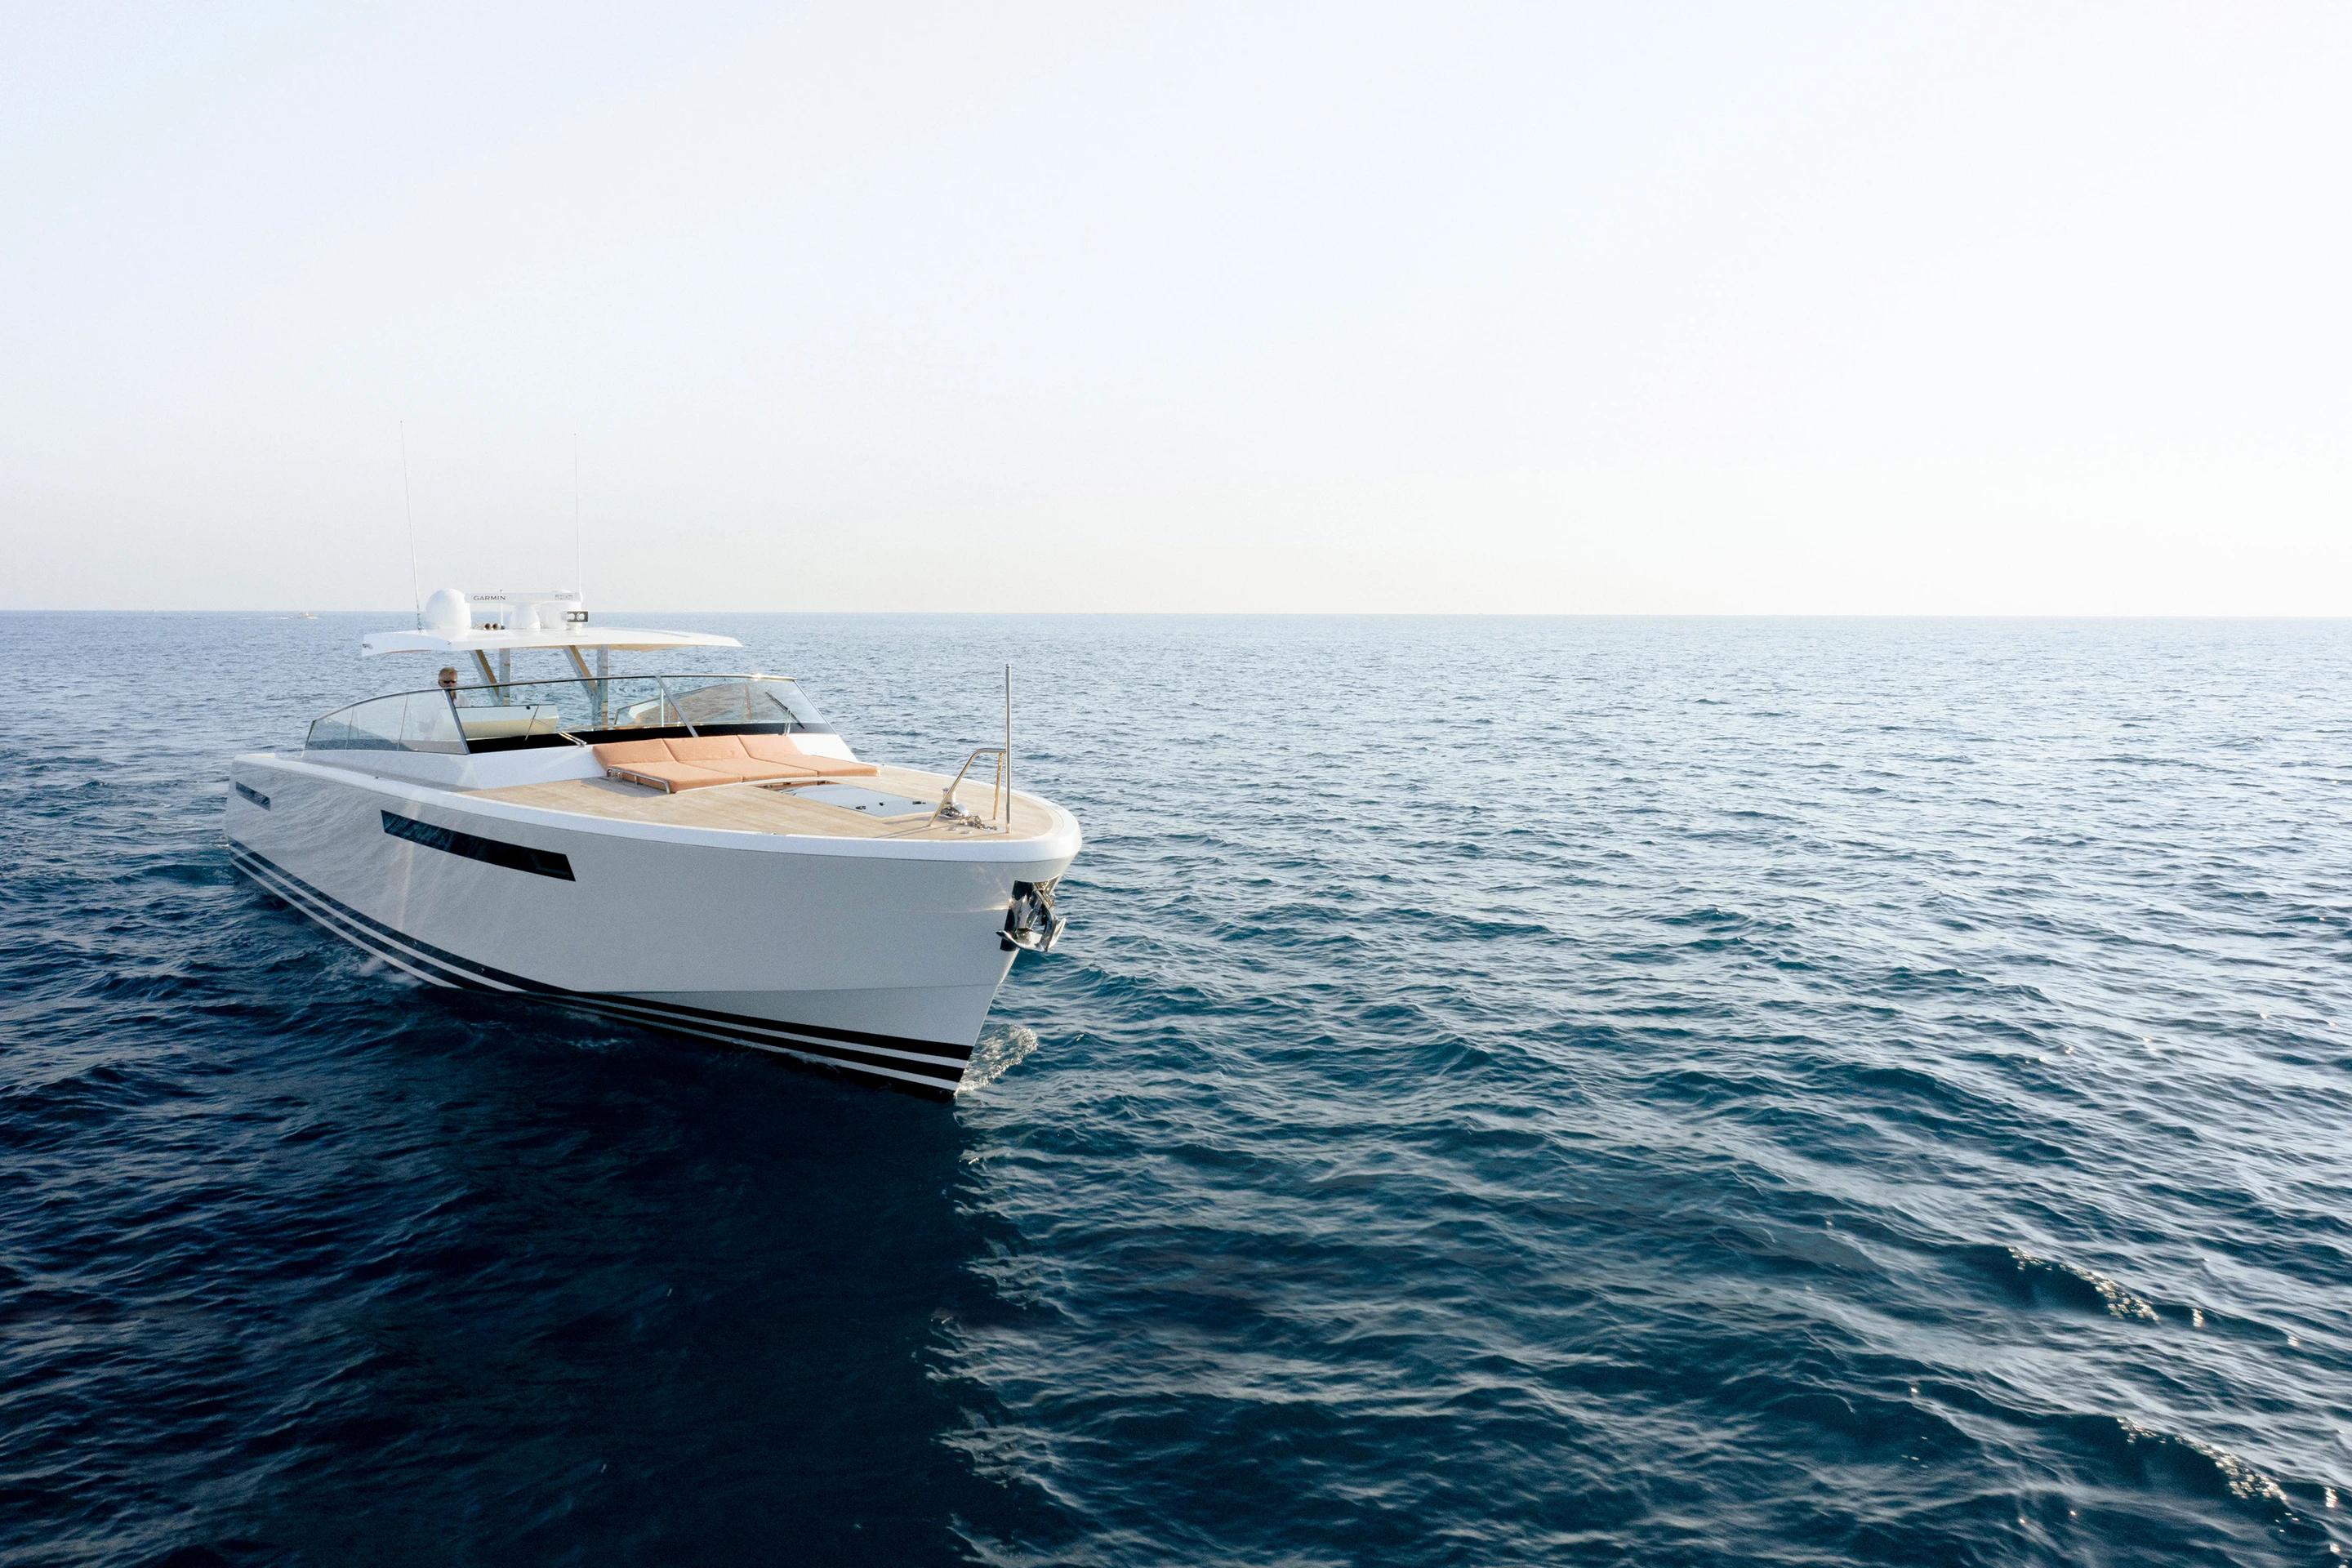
(696, 853)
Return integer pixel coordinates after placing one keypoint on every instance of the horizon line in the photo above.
(1339, 615)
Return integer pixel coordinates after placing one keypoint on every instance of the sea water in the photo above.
(1511, 1091)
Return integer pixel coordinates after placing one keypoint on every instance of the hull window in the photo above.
(252, 794)
(513, 856)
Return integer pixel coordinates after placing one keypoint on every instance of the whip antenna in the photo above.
(578, 572)
(416, 594)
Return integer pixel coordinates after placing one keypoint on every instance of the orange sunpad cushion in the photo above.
(622, 752)
(782, 749)
(672, 776)
(693, 761)
(778, 757)
(772, 748)
(722, 750)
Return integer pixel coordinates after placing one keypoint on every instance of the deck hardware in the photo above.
(1030, 924)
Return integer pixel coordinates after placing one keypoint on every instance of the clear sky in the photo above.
(1746, 308)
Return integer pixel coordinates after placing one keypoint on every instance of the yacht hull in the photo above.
(878, 958)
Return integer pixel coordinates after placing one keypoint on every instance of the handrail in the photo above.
(999, 794)
(563, 680)
(951, 810)
(703, 675)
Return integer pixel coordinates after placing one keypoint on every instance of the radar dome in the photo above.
(445, 612)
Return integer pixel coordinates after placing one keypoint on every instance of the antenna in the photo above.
(415, 592)
(579, 572)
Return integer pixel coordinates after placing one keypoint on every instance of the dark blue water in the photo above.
(1791, 1092)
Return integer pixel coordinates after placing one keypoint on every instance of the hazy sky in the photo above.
(1879, 308)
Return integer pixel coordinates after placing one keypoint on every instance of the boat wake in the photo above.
(1001, 1048)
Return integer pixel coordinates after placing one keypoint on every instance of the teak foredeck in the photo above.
(755, 808)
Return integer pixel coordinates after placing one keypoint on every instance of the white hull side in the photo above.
(880, 957)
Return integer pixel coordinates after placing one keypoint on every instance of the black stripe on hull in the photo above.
(930, 1067)
(474, 846)
(502, 980)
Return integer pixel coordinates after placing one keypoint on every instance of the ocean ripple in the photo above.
(1786, 1092)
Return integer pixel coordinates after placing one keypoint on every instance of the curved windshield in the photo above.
(404, 721)
(552, 712)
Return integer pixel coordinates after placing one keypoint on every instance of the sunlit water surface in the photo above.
(1513, 1091)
